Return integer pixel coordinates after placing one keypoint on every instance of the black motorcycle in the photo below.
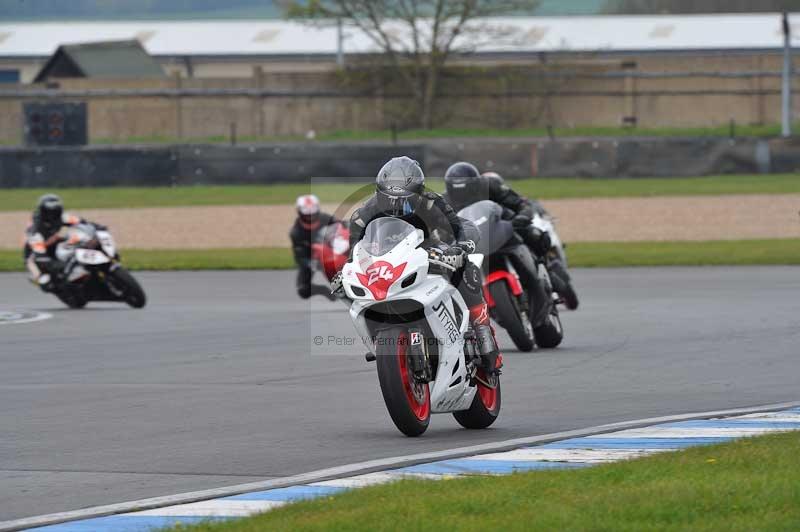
(508, 301)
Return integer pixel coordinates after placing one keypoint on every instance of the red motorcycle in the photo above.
(331, 250)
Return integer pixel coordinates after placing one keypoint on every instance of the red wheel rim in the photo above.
(418, 395)
(488, 395)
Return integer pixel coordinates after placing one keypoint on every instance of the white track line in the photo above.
(213, 509)
(371, 479)
(18, 317)
(589, 456)
(670, 432)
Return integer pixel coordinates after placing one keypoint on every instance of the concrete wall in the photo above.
(488, 98)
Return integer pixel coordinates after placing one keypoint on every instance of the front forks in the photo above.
(418, 355)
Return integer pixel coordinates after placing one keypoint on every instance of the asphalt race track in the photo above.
(218, 381)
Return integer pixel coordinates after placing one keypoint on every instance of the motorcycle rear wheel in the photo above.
(72, 298)
(408, 402)
(508, 315)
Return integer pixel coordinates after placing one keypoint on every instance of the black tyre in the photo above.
(563, 286)
(550, 334)
(132, 292)
(484, 409)
(570, 297)
(408, 402)
(72, 298)
(507, 312)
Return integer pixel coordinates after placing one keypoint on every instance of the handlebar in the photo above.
(433, 260)
(439, 264)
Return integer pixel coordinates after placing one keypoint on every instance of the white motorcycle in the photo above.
(92, 270)
(417, 324)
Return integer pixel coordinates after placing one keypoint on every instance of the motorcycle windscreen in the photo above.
(384, 234)
(488, 218)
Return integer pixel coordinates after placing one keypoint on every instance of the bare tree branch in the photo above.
(417, 37)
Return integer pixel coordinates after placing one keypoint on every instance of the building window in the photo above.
(9, 76)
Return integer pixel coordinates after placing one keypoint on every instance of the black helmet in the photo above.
(464, 184)
(399, 184)
(49, 212)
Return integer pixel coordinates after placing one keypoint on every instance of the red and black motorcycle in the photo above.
(508, 301)
(331, 250)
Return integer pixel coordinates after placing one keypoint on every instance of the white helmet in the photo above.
(308, 211)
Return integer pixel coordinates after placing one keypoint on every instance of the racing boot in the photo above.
(484, 336)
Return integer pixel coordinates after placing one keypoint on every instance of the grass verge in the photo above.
(545, 188)
(749, 484)
(708, 253)
(581, 254)
(770, 130)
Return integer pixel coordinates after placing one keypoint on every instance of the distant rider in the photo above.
(42, 237)
(401, 193)
(465, 185)
(305, 231)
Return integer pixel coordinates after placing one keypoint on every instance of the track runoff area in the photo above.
(575, 450)
(138, 404)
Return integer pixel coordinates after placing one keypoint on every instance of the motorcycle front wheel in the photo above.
(550, 334)
(132, 292)
(563, 285)
(508, 315)
(408, 401)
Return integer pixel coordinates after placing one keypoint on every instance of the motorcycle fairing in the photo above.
(451, 389)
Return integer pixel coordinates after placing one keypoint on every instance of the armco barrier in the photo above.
(299, 162)
(193, 164)
(82, 167)
(285, 163)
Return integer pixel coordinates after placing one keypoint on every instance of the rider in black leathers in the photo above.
(465, 186)
(42, 237)
(401, 193)
(310, 221)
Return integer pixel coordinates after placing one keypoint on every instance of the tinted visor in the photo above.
(397, 202)
(51, 215)
(463, 191)
(309, 218)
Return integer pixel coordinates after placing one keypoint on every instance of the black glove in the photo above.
(455, 256)
(100, 227)
(337, 286)
(541, 242)
(467, 245)
(521, 221)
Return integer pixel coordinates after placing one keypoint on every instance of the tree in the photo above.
(418, 37)
(643, 7)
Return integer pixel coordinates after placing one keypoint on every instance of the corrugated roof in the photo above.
(525, 34)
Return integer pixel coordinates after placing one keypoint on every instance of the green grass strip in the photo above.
(770, 130)
(581, 254)
(708, 253)
(549, 188)
(749, 484)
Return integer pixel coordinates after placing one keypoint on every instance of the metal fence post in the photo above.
(786, 91)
